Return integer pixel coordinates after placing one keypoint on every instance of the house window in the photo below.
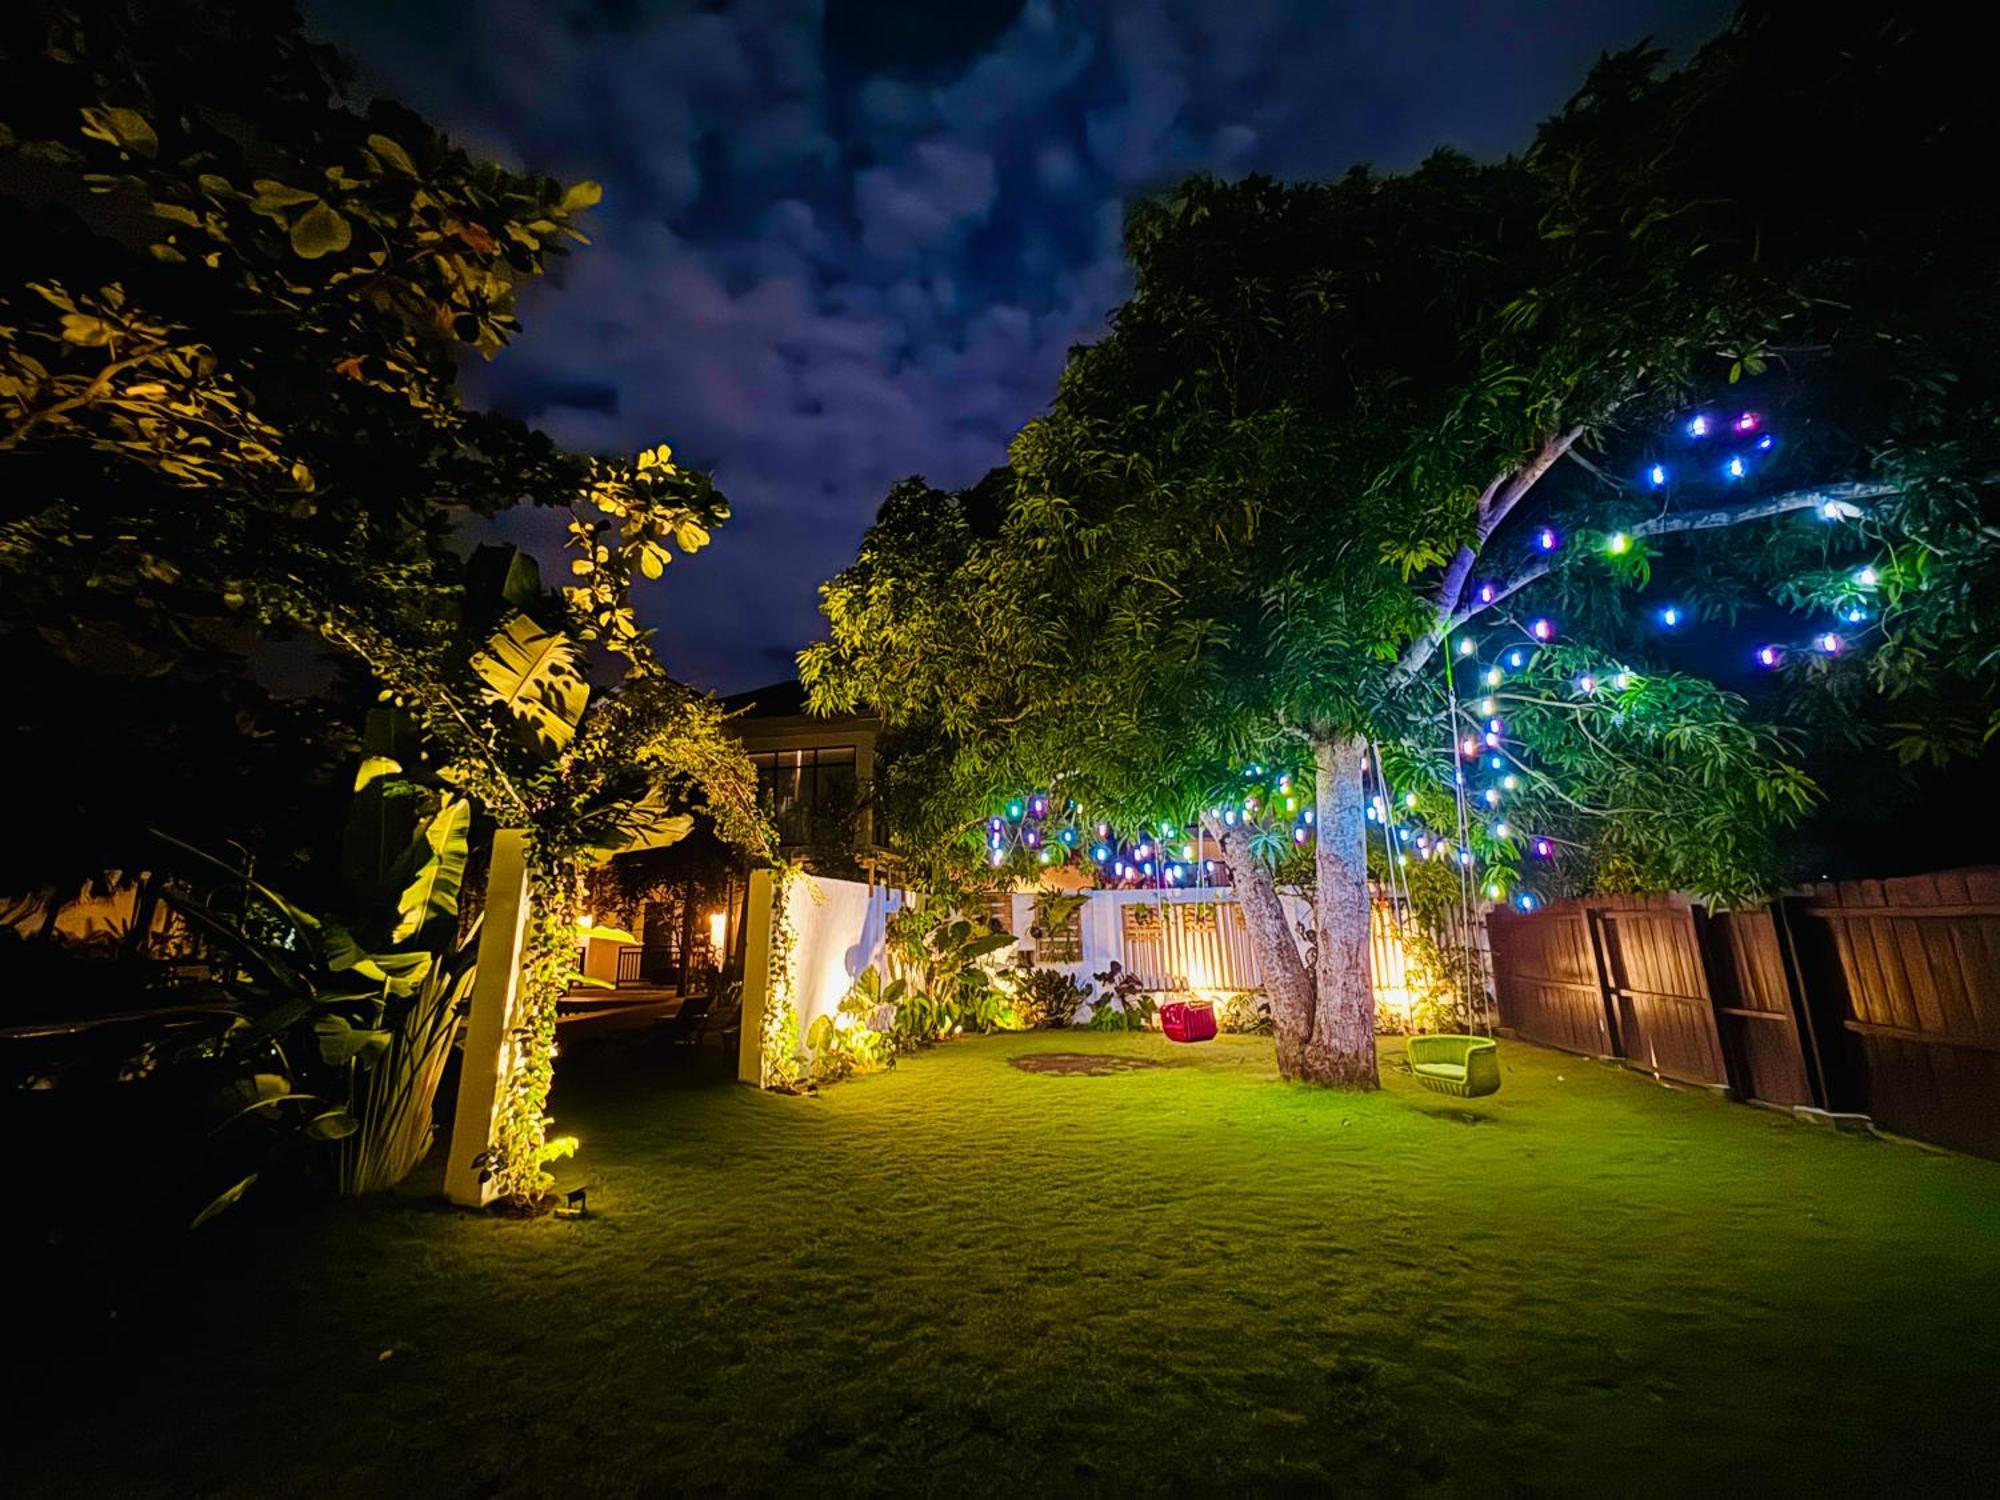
(811, 793)
(1059, 940)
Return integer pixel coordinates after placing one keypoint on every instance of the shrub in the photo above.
(1048, 998)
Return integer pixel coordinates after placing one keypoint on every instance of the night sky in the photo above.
(849, 242)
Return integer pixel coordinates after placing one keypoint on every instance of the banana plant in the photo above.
(378, 986)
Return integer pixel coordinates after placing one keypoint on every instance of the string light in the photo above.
(1657, 475)
(1736, 468)
(1525, 901)
(1670, 617)
(1748, 423)
(1516, 658)
(1829, 643)
(1544, 849)
(1547, 540)
(1486, 593)
(1867, 578)
(1542, 630)
(1494, 676)
(1467, 646)
(1619, 544)
(1769, 656)
(1697, 426)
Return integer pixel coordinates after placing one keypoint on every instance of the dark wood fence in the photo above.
(1878, 997)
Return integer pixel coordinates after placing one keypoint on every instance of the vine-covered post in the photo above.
(495, 997)
(756, 976)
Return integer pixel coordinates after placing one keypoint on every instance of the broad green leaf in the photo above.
(320, 230)
(341, 1041)
(392, 154)
(221, 1201)
(333, 1125)
(993, 942)
(433, 891)
(124, 128)
(373, 767)
(535, 675)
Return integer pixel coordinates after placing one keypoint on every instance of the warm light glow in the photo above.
(718, 931)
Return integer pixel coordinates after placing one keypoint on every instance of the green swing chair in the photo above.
(1466, 1067)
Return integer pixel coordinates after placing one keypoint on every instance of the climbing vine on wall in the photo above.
(783, 1067)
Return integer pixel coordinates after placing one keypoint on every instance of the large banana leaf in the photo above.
(536, 675)
(432, 892)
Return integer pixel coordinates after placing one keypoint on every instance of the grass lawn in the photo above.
(962, 1276)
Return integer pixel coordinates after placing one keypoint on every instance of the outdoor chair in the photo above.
(684, 1025)
(1463, 1066)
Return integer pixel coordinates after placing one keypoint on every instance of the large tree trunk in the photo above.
(1342, 1048)
(1324, 1018)
(1287, 984)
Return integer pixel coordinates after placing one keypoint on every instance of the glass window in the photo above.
(812, 793)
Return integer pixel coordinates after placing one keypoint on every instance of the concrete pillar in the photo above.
(756, 977)
(496, 990)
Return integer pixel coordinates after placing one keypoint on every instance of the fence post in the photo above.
(756, 977)
(496, 986)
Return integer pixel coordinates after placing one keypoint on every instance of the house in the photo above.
(816, 774)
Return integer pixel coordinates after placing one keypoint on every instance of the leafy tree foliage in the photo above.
(1318, 449)
(232, 307)
(229, 345)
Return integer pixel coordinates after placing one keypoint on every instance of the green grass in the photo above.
(959, 1276)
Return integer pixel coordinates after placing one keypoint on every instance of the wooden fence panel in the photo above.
(1919, 962)
(1546, 980)
(1757, 1006)
(1659, 990)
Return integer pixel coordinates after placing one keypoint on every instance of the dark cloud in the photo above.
(836, 249)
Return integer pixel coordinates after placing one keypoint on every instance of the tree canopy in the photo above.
(1372, 462)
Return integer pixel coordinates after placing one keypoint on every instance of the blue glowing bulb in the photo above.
(1543, 630)
(1736, 468)
(1764, 443)
(1525, 901)
(1547, 540)
(1100, 854)
(1516, 657)
(1657, 475)
(1829, 643)
(1769, 656)
(1697, 426)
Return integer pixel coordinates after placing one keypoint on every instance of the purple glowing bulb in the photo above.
(1547, 539)
(1769, 656)
(1542, 630)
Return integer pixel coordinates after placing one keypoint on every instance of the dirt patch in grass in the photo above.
(1082, 1064)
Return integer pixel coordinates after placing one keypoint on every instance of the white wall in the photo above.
(839, 926)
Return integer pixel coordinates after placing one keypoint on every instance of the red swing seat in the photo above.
(1188, 1021)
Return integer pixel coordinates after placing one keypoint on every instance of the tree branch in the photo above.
(1713, 518)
